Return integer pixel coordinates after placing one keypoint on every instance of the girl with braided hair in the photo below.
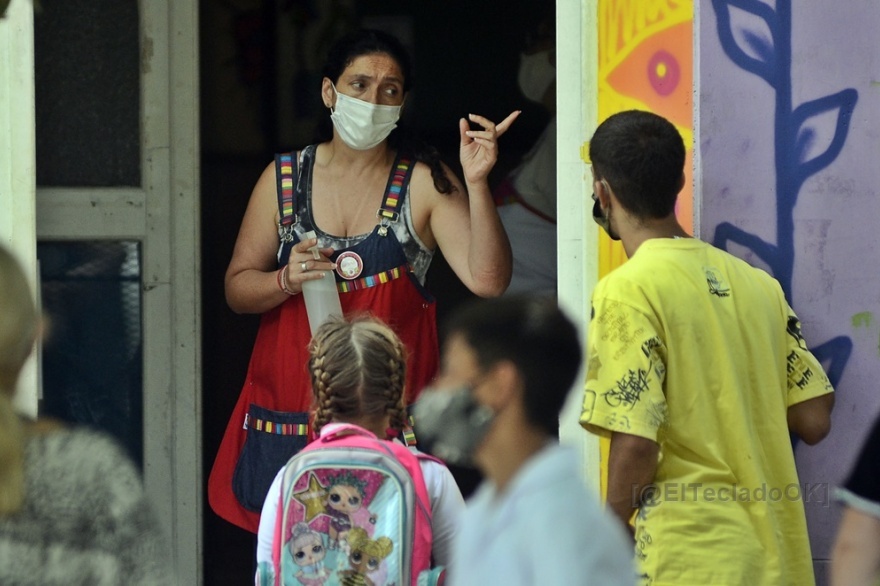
(357, 367)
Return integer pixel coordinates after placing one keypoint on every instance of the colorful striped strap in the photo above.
(396, 186)
(372, 280)
(276, 428)
(284, 173)
(409, 436)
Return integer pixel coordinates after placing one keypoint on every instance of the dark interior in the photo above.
(259, 94)
(466, 57)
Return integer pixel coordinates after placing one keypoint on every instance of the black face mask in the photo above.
(602, 219)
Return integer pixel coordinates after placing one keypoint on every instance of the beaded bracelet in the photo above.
(282, 281)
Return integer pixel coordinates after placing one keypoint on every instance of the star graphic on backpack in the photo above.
(312, 498)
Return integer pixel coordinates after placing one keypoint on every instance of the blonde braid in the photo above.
(323, 397)
(334, 373)
(395, 404)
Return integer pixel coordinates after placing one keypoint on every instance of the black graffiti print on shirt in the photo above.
(628, 390)
(794, 330)
(798, 373)
(652, 349)
(717, 284)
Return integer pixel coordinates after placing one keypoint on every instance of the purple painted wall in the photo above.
(788, 104)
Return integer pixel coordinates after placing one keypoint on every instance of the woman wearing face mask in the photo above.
(380, 205)
(526, 198)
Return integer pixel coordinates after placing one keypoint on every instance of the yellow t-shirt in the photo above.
(695, 349)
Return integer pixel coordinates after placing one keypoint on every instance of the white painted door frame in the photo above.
(577, 238)
(163, 214)
(18, 161)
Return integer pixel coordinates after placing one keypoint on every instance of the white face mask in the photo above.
(535, 75)
(362, 125)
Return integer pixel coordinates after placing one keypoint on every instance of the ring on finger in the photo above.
(303, 266)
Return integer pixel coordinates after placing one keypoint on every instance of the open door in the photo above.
(117, 238)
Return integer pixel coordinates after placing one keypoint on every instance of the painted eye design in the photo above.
(317, 549)
(356, 557)
(659, 73)
(335, 498)
(299, 555)
(354, 500)
(372, 563)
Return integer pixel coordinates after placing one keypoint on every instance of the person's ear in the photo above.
(327, 94)
(504, 385)
(603, 192)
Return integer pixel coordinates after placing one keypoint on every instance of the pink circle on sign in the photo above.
(664, 72)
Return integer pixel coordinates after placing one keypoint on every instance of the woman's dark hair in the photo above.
(539, 21)
(368, 42)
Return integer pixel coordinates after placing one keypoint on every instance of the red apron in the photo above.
(270, 421)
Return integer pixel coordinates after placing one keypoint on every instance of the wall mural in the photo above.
(786, 106)
(788, 175)
(646, 63)
(794, 136)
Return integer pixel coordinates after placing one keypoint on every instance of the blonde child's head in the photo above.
(358, 370)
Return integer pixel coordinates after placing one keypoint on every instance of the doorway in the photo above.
(260, 95)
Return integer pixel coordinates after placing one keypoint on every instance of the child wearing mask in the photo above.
(507, 367)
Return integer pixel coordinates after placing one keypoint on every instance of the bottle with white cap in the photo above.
(321, 295)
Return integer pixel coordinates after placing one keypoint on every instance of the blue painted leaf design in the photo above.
(764, 65)
(844, 102)
(726, 232)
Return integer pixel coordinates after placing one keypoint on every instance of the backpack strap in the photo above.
(396, 188)
(433, 577)
(286, 167)
(346, 429)
(428, 457)
(276, 541)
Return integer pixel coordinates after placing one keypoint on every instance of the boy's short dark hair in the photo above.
(533, 334)
(641, 156)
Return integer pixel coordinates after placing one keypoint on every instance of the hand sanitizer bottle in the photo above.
(321, 295)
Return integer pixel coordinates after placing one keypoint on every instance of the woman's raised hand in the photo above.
(479, 148)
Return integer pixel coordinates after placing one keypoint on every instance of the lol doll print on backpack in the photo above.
(354, 510)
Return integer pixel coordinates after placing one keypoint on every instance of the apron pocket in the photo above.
(273, 437)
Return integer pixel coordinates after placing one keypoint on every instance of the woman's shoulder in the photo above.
(422, 184)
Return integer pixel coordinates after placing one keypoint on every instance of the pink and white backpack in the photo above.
(354, 510)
